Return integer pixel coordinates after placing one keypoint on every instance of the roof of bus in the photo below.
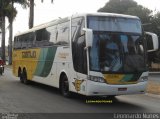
(60, 20)
(106, 14)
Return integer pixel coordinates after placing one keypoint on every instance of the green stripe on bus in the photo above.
(45, 61)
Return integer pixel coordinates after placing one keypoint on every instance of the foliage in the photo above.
(6, 9)
(118, 6)
(9, 12)
(129, 7)
(143, 13)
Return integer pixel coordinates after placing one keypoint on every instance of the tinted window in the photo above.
(42, 35)
(63, 34)
(43, 38)
(116, 24)
(53, 34)
(24, 41)
(78, 45)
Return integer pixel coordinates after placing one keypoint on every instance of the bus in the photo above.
(98, 54)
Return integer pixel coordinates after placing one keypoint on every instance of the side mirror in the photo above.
(152, 41)
(89, 37)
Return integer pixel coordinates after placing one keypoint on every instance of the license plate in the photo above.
(122, 89)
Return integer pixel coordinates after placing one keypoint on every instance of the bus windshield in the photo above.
(115, 24)
(117, 50)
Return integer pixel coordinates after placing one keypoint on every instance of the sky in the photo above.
(45, 12)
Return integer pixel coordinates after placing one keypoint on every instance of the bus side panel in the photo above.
(45, 61)
(77, 81)
(37, 61)
(64, 62)
(26, 58)
(46, 71)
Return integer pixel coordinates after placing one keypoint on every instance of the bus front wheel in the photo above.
(64, 86)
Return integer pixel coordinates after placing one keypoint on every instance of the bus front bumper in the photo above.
(103, 89)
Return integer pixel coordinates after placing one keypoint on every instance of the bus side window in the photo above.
(15, 43)
(20, 41)
(31, 39)
(63, 34)
(42, 37)
(78, 44)
(53, 34)
(24, 41)
(18, 44)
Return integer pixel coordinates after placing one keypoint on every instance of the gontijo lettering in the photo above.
(29, 54)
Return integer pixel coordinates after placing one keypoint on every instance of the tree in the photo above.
(143, 13)
(7, 10)
(11, 13)
(118, 6)
(2, 16)
(31, 13)
(129, 7)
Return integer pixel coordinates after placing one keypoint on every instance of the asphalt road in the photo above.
(16, 97)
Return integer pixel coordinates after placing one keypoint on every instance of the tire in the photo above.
(24, 76)
(64, 87)
(19, 72)
(21, 77)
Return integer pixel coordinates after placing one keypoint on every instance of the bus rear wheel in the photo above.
(23, 77)
(64, 86)
(20, 75)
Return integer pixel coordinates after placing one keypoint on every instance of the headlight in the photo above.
(96, 79)
(143, 78)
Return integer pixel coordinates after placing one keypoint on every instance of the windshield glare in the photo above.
(115, 52)
(116, 24)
